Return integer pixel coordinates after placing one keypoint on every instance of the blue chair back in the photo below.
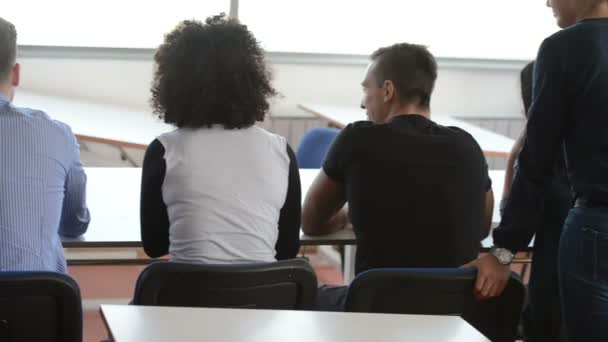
(287, 284)
(438, 292)
(39, 306)
(314, 146)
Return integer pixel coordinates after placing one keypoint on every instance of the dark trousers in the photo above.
(583, 274)
(541, 318)
(331, 298)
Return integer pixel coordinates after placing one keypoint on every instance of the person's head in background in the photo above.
(569, 12)
(525, 78)
(211, 73)
(9, 68)
(399, 80)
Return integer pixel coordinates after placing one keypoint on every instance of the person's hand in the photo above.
(492, 276)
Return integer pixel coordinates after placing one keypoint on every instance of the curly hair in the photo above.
(411, 67)
(211, 73)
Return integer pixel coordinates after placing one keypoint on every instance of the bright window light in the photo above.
(489, 29)
(108, 23)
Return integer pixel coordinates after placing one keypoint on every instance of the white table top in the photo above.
(113, 200)
(491, 143)
(155, 324)
(101, 123)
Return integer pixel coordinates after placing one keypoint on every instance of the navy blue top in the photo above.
(569, 111)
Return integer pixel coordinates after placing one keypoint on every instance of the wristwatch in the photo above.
(503, 255)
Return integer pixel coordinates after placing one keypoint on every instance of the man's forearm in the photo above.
(75, 215)
(335, 223)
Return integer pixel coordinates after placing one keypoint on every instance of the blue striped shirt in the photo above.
(42, 190)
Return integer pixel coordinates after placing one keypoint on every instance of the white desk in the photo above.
(113, 125)
(162, 324)
(113, 200)
(493, 145)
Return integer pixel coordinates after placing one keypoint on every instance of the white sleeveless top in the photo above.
(224, 190)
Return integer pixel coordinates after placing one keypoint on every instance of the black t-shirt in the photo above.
(415, 190)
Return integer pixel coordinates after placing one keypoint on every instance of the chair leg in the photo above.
(349, 263)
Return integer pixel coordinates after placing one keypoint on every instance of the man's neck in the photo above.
(599, 11)
(409, 109)
(6, 91)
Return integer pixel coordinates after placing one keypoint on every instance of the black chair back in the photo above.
(438, 292)
(39, 306)
(287, 284)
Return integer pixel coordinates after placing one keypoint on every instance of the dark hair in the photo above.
(412, 68)
(8, 48)
(525, 77)
(211, 73)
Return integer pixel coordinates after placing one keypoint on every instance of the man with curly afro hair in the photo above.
(218, 189)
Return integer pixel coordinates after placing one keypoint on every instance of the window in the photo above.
(107, 23)
(489, 29)
(492, 29)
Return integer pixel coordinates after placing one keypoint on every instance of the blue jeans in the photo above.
(583, 274)
(542, 315)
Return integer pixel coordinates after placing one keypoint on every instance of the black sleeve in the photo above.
(339, 154)
(481, 159)
(153, 211)
(288, 243)
(545, 131)
(488, 185)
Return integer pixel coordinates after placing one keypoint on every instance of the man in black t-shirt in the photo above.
(418, 193)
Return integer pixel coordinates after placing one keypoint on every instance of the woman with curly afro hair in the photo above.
(218, 189)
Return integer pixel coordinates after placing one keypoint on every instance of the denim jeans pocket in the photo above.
(594, 253)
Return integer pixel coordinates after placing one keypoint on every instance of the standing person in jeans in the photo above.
(542, 313)
(42, 182)
(570, 111)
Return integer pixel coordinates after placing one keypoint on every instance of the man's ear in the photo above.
(388, 87)
(16, 75)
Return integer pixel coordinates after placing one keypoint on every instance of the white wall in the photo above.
(466, 89)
